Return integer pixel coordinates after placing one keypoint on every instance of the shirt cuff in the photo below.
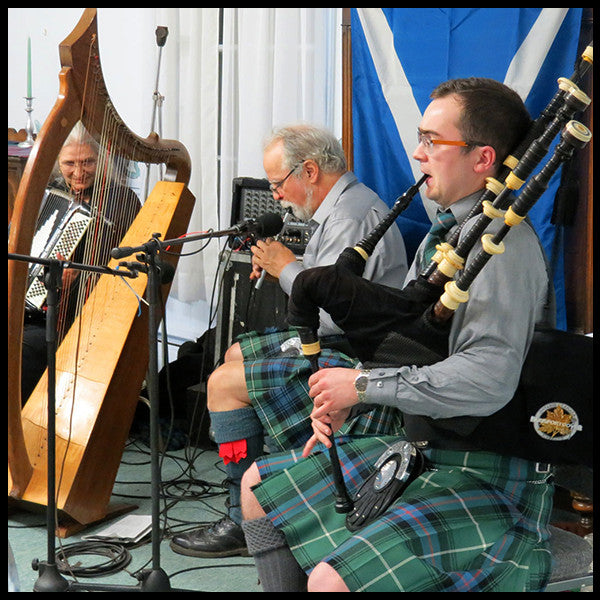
(288, 275)
(382, 386)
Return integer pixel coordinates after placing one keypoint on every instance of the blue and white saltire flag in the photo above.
(400, 54)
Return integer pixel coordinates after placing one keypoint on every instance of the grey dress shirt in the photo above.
(489, 336)
(348, 213)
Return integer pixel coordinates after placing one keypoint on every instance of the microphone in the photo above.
(123, 251)
(166, 271)
(286, 220)
(266, 225)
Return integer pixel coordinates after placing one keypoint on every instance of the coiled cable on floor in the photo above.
(117, 558)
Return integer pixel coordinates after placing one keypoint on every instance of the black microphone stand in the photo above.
(50, 579)
(250, 226)
(156, 580)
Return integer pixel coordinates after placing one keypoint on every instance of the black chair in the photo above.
(572, 554)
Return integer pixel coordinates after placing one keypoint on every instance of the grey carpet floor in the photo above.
(193, 493)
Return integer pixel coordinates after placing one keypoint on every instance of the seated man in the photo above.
(261, 388)
(474, 520)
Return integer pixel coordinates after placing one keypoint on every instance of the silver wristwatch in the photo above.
(360, 384)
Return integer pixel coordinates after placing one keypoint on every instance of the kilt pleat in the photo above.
(278, 388)
(472, 522)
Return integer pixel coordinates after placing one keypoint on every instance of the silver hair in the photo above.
(80, 135)
(304, 141)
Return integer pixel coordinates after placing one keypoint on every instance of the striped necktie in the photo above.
(444, 221)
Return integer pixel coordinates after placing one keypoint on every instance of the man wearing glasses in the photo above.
(262, 386)
(473, 520)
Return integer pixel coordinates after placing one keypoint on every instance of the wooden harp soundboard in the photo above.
(102, 360)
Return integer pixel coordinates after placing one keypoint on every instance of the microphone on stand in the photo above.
(266, 225)
(286, 219)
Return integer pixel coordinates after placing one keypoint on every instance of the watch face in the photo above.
(360, 383)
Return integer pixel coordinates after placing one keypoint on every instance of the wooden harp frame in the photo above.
(86, 485)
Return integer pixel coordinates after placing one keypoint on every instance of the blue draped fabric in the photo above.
(400, 54)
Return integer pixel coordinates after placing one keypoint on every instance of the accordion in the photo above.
(61, 225)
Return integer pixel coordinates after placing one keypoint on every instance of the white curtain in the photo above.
(191, 79)
(278, 65)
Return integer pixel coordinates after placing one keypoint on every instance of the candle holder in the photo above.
(29, 127)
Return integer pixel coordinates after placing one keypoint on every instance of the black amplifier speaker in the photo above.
(252, 198)
(243, 307)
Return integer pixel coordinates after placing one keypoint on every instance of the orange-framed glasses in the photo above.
(429, 143)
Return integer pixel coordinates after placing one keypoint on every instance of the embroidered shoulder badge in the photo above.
(556, 422)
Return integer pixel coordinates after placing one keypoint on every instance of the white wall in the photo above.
(122, 32)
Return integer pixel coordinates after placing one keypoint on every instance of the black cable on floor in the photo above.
(117, 558)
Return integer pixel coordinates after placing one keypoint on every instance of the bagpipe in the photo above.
(549, 419)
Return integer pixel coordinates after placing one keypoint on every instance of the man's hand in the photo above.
(333, 394)
(323, 428)
(332, 390)
(271, 256)
(69, 275)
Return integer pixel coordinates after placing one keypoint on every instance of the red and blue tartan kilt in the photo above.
(278, 388)
(473, 522)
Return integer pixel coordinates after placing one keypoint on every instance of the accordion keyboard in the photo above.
(58, 233)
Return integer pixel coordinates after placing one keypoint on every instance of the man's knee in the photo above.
(251, 509)
(226, 388)
(251, 477)
(233, 353)
(325, 578)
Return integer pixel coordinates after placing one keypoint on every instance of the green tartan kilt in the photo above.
(473, 522)
(278, 388)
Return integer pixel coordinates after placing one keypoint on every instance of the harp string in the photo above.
(110, 212)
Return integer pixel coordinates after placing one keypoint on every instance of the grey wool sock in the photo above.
(230, 426)
(278, 570)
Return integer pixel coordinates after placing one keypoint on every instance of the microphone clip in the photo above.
(165, 270)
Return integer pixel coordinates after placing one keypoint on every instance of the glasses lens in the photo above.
(277, 184)
(425, 141)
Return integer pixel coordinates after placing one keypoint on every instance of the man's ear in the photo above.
(486, 159)
(312, 170)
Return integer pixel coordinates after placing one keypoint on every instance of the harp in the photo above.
(96, 396)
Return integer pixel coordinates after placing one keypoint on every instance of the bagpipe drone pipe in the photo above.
(516, 167)
(549, 419)
(341, 285)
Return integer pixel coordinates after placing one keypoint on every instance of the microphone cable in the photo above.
(116, 556)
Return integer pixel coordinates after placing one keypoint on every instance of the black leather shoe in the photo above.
(223, 538)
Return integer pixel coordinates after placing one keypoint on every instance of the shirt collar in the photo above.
(461, 208)
(326, 207)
